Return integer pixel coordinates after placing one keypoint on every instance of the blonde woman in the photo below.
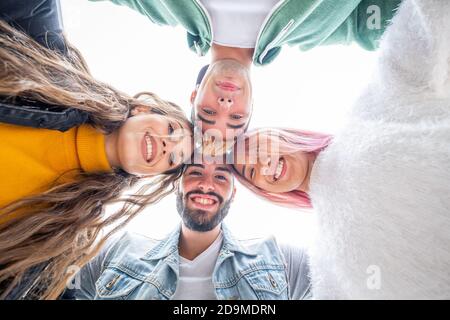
(55, 183)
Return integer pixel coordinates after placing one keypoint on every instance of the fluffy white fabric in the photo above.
(381, 190)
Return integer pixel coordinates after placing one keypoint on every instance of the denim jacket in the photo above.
(42, 21)
(136, 267)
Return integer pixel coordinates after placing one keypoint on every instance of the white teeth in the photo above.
(203, 201)
(279, 169)
(149, 147)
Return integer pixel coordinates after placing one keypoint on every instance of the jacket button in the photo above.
(273, 282)
(112, 283)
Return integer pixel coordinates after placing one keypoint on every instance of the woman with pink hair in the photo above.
(380, 187)
(276, 164)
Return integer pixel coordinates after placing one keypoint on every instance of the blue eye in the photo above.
(170, 129)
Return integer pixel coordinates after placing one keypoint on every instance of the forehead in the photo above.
(209, 167)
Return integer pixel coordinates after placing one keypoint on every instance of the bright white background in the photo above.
(312, 90)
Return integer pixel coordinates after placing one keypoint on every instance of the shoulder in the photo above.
(255, 243)
(262, 246)
(128, 245)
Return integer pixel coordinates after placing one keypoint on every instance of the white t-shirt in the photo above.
(236, 23)
(195, 276)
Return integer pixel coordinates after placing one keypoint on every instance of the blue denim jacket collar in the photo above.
(137, 269)
(169, 245)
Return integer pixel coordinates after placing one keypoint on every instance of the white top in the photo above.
(195, 277)
(381, 190)
(236, 23)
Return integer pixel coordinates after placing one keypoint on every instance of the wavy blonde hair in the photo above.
(60, 227)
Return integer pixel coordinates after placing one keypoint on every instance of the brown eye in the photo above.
(221, 178)
(252, 173)
(209, 111)
(170, 129)
(171, 159)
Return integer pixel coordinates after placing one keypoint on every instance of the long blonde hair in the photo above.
(59, 227)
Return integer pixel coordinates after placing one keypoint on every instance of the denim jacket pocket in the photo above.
(115, 284)
(268, 284)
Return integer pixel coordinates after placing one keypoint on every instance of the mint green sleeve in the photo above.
(152, 9)
(366, 24)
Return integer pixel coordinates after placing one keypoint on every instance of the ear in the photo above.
(193, 95)
(234, 193)
(140, 110)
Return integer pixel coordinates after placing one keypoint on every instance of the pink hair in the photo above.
(290, 140)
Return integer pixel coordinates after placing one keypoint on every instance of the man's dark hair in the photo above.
(201, 75)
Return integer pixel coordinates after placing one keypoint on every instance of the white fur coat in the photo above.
(381, 190)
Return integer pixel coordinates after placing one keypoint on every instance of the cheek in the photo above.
(186, 186)
(261, 183)
(127, 149)
(227, 191)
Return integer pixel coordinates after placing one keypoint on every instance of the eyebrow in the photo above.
(197, 165)
(205, 120)
(223, 169)
(243, 171)
(237, 126)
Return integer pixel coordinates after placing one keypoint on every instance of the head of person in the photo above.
(222, 100)
(61, 226)
(276, 163)
(204, 195)
(156, 138)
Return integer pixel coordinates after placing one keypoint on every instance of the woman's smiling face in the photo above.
(272, 170)
(151, 144)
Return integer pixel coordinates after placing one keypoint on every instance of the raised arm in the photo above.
(40, 19)
(415, 51)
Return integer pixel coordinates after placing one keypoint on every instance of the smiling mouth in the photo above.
(227, 86)
(204, 202)
(148, 146)
(280, 170)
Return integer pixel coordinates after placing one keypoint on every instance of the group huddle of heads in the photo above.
(145, 137)
(215, 146)
(274, 163)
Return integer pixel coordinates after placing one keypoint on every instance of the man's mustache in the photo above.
(211, 193)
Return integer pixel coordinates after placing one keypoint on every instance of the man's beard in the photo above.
(198, 220)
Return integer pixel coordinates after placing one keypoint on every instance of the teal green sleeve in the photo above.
(153, 9)
(366, 24)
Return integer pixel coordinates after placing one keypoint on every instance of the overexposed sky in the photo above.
(311, 90)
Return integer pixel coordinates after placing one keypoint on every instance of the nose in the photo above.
(167, 145)
(267, 166)
(206, 185)
(225, 102)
